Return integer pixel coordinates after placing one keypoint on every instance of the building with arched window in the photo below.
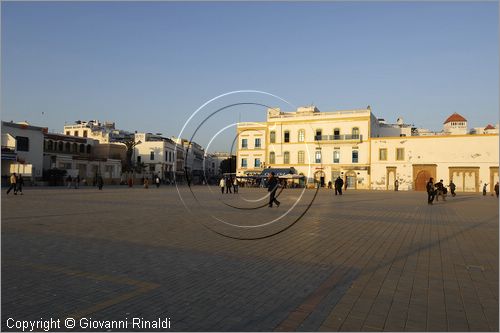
(369, 153)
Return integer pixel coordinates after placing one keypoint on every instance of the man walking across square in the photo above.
(430, 191)
(338, 186)
(272, 186)
(13, 184)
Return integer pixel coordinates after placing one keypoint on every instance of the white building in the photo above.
(365, 151)
(455, 125)
(22, 149)
(157, 153)
(193, 159)
(94, 129)
(468, 160)
(80, 156)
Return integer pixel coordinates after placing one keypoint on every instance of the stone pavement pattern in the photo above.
(366, 261)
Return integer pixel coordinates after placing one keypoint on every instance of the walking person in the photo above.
(431, 192)
(222, 184)
(345, 184)
(440, 190)
(146, 182)
(69, 180)
(496, 189)
(338, 185)
(77, 181)
(396, 185)
(484, 188)
(100, 182)
(330, 184)
(20, 184)
(157, 181)
(235, 185)
(228, 184)
(452, 187)
(272, 186)
(13, 186)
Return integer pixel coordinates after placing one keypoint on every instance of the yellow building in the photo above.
(364, 151)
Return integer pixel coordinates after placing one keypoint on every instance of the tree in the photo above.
(130, 143)
(228, 165)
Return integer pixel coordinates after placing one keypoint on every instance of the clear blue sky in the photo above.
(148, 66)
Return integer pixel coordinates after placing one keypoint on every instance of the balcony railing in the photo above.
(342, 137)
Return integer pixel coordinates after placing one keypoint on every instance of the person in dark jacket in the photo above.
(100, 182)
(272, 186)
(496, 189)
(20, 184)
(452, 188)
(430, 191)
(338, 186)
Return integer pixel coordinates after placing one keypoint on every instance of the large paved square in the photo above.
(365, 261)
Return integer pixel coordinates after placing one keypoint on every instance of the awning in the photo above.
(277, 172)
(290, 176)
(9, 156)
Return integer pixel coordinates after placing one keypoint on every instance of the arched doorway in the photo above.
(350, 179)
(319, 177)
(421, 180)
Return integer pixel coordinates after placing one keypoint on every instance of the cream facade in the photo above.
(469, 160)
(319, 145)
(366, 152)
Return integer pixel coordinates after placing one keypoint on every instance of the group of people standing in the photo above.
(16, 184)
(228, 183)
(434, 191)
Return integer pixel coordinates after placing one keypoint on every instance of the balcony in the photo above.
(342, 137)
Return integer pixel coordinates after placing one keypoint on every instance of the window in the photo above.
(318, 134)
(400, 154)
(243, 162)
(272, 137)
(68, 133)
(257, 163)
(88, 149)
(244, 143)
(84, 134)
(272, 157)
(287, 136)
(302, 135)
(336, 133)
(317, 156)
(138, 159)
(382, 154)
(50, 145)
(336, 156)
(167, 156)
(60, 146)
(354, 156)
(151, 155)
(300, 157)
(257, 143)
(286, 157)
(82, 148)
(355, 133)
(76, 133)
(67, 147)
(22, 143)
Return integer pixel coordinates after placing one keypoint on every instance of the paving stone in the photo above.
(367, 261)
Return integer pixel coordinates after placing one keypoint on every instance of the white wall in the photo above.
(444, 151)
